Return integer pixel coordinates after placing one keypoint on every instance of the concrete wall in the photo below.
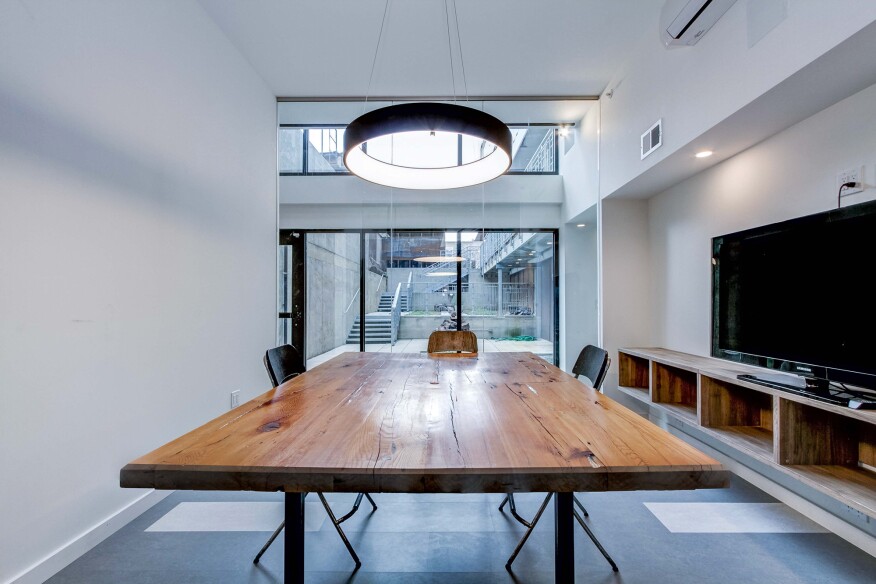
(485, 327)
(544, 299)
(332, 282)
(138, 229)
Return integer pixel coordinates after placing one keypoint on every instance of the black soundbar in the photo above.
(842, 398)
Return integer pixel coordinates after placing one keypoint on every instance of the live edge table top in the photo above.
(414, 423)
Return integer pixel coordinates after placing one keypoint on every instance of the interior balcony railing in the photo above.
(544, 159)
(499, 245)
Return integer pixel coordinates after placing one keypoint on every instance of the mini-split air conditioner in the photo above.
(684, 22)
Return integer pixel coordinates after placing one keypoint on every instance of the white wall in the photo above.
(351, 190)
(790, 175)
(419, 216)
(693, 89)
(137, 273)
(579, 288)
(625, 278)
(579, 167)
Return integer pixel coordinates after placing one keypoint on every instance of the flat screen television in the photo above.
(798, 296)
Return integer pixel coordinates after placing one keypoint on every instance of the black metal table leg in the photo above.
(293, 552)
(564, 556)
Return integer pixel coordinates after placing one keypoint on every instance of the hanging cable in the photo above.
(376, 52)
(459, 43)
(450, 50)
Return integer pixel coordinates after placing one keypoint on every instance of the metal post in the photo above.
(293, 550)
(564, 556)
(459, 280)
(499, 311)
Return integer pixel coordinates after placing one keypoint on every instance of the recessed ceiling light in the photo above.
(582, 225)
(704, 154)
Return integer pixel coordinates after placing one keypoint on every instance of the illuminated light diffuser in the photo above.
(436, 259)
(440, 121)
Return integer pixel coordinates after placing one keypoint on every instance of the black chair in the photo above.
(593, 364)
(283, 363)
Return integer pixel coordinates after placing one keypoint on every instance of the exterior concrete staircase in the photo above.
(378, 325)
(385, 304)
(378, 328)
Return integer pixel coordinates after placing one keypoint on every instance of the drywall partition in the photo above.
(138, 229)
(352, 190)
(625, 278)
(694, 89)
(789, 175)
(579, 287)
(471, 215)
(579, 166)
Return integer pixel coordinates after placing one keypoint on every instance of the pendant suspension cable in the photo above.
(450, 50)
(459, 43)
(376, 52)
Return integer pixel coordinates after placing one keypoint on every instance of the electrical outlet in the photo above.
(855, 175)
(235, 399)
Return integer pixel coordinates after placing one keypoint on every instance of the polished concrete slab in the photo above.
(732, 518)
(450, 538)
(234, 516)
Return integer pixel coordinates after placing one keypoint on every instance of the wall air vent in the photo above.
(652, 139)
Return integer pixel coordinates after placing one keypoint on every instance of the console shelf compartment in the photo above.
(828, 448)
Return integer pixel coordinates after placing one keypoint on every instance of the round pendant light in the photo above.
(436, 123)
(438, 259)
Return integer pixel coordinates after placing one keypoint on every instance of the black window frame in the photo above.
(298, 238)
(307, 127)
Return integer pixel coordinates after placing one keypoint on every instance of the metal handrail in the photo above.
(351, 300)
(396, 315)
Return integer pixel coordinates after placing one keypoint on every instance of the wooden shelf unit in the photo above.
(826, 447)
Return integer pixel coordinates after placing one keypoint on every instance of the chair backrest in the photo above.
(593, 364)
(283, 363)
(464, 343)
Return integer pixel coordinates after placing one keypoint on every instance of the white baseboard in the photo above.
(66, 555)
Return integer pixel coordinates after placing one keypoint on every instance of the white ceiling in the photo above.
(320, 48)
(510, 112)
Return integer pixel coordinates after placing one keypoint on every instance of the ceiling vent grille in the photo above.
(652, 139)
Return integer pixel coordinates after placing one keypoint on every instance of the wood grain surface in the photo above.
(827, 447)
(415, 423)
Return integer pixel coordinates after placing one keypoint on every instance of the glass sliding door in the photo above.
(333, 288)
(290, 289)
(511, 294)
(382, 310)
(388, 290)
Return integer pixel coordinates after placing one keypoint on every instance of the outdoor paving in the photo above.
(540, 347)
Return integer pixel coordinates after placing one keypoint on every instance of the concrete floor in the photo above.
(722, 536)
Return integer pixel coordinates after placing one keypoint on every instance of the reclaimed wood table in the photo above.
(414, 423)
